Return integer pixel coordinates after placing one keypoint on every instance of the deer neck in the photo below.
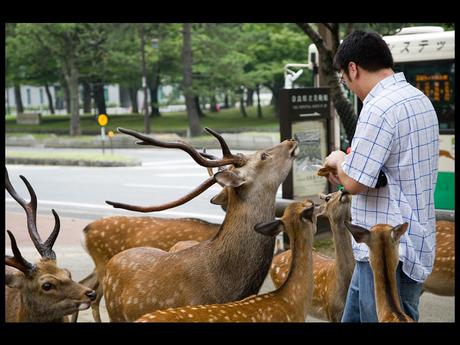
(29, 311)
(385, 289)
(241, 256)
(344, 259)
(298, 286)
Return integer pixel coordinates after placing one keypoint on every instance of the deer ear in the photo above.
(14, 278)
(221, 199)
(360, 234)
(272, 228)
(398, 231)
(307, 214)
(320, 209)
(229, 179)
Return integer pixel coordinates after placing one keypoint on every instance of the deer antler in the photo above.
(44, 248)
(229, 158)
(17, 261)
(194, 193)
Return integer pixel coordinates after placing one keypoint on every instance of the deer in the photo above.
(288, 303)
(40, 291)
(103, 238)
(441, 280)
(383, 243)
(230, 266)
(331, 276)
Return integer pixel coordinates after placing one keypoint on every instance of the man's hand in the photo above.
(334, 160)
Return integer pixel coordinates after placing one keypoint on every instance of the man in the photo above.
(397, 134)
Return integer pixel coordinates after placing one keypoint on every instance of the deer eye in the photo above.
(47, 286)
(327, 198)
(264, 156)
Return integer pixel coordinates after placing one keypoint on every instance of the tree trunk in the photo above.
(242, 107)
(154, 86)
(50, 98)
(198, 107)
(226, 103)
(144, 81)
(72, 81)
(86, 97)
(99, 98)
(249, 96)
(65, 88)
(133, 97)
(213, 104)
(187, 60)
(259, 107)
(18, 99)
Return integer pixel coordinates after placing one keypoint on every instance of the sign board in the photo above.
(102, 120)
(304, 116)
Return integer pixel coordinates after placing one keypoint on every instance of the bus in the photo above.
(426, 56)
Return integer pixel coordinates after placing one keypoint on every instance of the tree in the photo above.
(62, 42)
(187, 61)
(326, 54)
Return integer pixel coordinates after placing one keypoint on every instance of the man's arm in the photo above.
(335, 160)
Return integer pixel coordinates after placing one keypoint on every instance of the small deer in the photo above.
(383, 243)
(289, 303)
(40, 292)
(441, 281)
(331, 276)
(229, 267)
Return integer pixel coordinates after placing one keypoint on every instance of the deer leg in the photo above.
(95, 305)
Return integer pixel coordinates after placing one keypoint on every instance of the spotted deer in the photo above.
(230, 266)
(106, 237)
(288, 303)
(331, 276)
(41, 291)
(383, 243)
(441, 281)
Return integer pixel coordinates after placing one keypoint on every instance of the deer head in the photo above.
(235, 170)
(47, 291)
(336, 206)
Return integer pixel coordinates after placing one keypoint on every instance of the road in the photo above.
(78, 194)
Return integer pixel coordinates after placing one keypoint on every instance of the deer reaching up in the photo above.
(441, 281)
(40, 292)
(383, 243)
(288, 303)
(331, 276)
(229, 267)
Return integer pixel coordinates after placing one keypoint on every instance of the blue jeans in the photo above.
(360, 303)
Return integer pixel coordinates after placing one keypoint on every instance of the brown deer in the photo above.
(106, 237)
(383, 243)
(288, 303)
(40, 292)
(331, 276)
(229, 267)
(441, 281)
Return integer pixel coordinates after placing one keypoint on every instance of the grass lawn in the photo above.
(168, 122)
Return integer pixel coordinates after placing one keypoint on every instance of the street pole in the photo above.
(144, 81)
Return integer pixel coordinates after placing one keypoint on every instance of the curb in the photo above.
(72, 162)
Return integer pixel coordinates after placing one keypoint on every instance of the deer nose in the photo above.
(91, 294)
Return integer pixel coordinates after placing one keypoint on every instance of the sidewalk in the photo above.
(236, 141)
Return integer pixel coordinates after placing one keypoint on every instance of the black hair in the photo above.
(365, 48)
